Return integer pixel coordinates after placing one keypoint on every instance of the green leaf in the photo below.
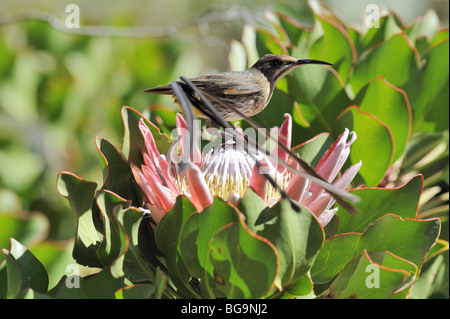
(101, 285)
(378, 61)
(11, 276)
(268, 42)
(440, 36)
(113, 244)
(130, 263)
(376, 202)
(363, 278)
(80, 194)
(133, 141)
(138, 291)
(394, 234)
(55, 256)
(250, 43)
(392, 261)
(305, 41)
(321, 97)
(442, 246)
(272, 115)
(391, 106)
(303, 287)
(245, 264)
(425, 26)
(251, 206)
(168, 236)
(116, 171)
(431, 109)
(336, 252)
(23, 270)
(147, 247)
(297, 237)
(3, 280)
(434, 279)
(196, 236)
(356, 37)
(373, 147)
(29, 293)
(419, 146)
(69, 288)
(387, 28)
(237, 57)
(160, 283)
(293, 29)
(335, 46)
(273, 18)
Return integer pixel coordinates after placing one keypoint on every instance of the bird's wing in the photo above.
(229, 83)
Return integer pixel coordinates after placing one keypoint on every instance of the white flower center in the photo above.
(227, 170)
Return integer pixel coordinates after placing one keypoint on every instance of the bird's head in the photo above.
(275, 66)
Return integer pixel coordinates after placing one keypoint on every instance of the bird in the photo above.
(247, 91)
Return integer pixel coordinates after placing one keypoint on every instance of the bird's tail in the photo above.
(163, 89)
(204, 106)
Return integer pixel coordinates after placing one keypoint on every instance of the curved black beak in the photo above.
(311, 61)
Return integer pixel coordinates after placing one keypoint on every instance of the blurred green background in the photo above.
(58, 90)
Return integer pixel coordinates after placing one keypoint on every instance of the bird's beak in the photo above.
(311, 61)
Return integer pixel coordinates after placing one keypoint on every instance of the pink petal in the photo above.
(296, 188)
(234, 199)
(331, 149)
(258, 181)
(328, 165)
(284, 137)
(321, 204)
(149, 141)
(293, 163)
(326, 216)
(167, 177)
(345, 179)
(238, 129)
(149, 163)
(325, 201)
(345, 154)
(146, 190)
(156, 213)
(200, 195)
(182, 130)
(274, 132)
(331, 163)
(239, 135)
(181, 124)
(166, 201)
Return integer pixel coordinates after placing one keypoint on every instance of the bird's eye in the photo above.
(278, 62)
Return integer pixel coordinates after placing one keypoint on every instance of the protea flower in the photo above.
(228, 171)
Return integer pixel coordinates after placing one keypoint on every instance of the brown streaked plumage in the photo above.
(248, 91)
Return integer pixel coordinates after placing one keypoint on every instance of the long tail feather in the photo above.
(309, 173)
(164, 89)
(208, 109)
(201, 101)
